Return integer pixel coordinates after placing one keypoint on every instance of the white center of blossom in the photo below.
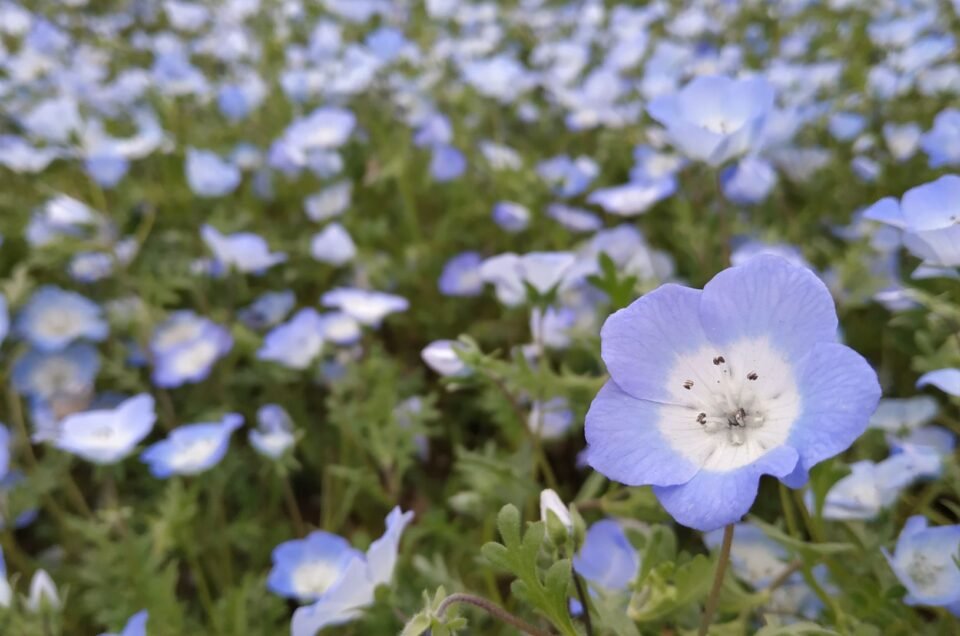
(314, 578)
(924, 572)
(193, 453)
(730, 406)
(720, 125)
(55, 376)
(191, 360)
(55, 323)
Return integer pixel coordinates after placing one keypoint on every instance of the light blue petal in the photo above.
(947, 380)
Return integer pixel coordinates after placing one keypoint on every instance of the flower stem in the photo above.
(581, 593)
(714, 599)
(493, 609)
(293, 508)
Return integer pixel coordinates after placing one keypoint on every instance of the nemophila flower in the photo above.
(441, 356)
(552, 327)
(296, 343)
(574, 219)
(863, 494)
(53, 318)
(904, 414)
(192, 448)
(932, 439)
(333, 245)
(500, 77)
(927, 215)
(366, 307)
(20, 156)
(244, 251)
(109, 435)
(550, 419)
(902, 140)
(846, 126)
(500, 157)
(274, 434)
(330, 202)
(942, 142)
(325, 128)
(750, 181)
(136, 626)
(568, 176)
(48, 375)
(43, 593)
(268, 310)
(106, 170)
(747, 249)
(865, 168)
(512, 275)
(461, 275)
(210, 176)
(635, 197)
(711, 389)
(304, 569)
(924, 561)
(714, 118)
(4, 450)
(447, 163)
(185, 347)
(606, 559)
(947, 380)
(511, 216)
(353, 587)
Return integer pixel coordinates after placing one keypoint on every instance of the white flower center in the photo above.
(924, 572)
(194, 453)
(314, 578)
(730, 407)
(55, 323)
(192, 359)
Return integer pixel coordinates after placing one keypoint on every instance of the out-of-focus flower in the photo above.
(244, 251)
(750, 181)
(366, 307)
(106, 436)
(185, 347)
(441, 356)
(635, 197)
(274, 434)
(607, 560)
(136, 626)
(268, 310)
(210, 176)
(351, 587)
(947, 380)
(333, 245)
(47, 376)
(53, 318)
(461, 275)
(942, 142)
(192, 448)
(43, 593)
(296, 343)
(714, 118)
(924, 561)
(511, 216)
(550, 419)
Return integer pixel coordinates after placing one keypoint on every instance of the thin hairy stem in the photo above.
(493, 609)
(714, 599)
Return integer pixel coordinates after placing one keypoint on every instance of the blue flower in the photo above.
(185, 348)
(304, 569)
(574, 219)
(192, 448)
(925, 563)
(210, 176)
(568, 177)
(441, 356)
(330, 202)
(511, 275)
(333, 245)
(863, 494)
(942, 142)
(48, 375)
(461, 275)
(268, 310)
(902, 140)
(447, 163)
(607, 559)
(109, 435)
(274, 434)
(136, 626)
(53, 318)
(636, 197)
(711, 389)
(903, 414)
(927, 216)
(550, 419)
(5, 318)
(714, 118)
(846, 126)
(4, 451)
(750, 181)
(947, 380)
(297, 342)
(106, 169)
(344, 599)
(243, 251)
(511, 216)
(366, 307)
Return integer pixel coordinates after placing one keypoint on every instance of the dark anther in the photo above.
(737, 418)
(688, 385)
(719, 360)
(752, 375)
(702, 418)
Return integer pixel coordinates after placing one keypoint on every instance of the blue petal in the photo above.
(641, 342)
(839, 392)
(625, 443)
(769, 297)
(947, 380)
(713, 499)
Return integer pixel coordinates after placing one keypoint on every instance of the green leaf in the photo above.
(802, 547)
(508, 523)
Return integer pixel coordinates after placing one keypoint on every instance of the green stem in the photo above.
(713, 600)
(493, 609)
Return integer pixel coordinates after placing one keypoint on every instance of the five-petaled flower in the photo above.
(711, 389)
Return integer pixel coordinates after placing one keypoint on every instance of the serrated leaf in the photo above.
(557, 581)
(498, 555)
(508, 523)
